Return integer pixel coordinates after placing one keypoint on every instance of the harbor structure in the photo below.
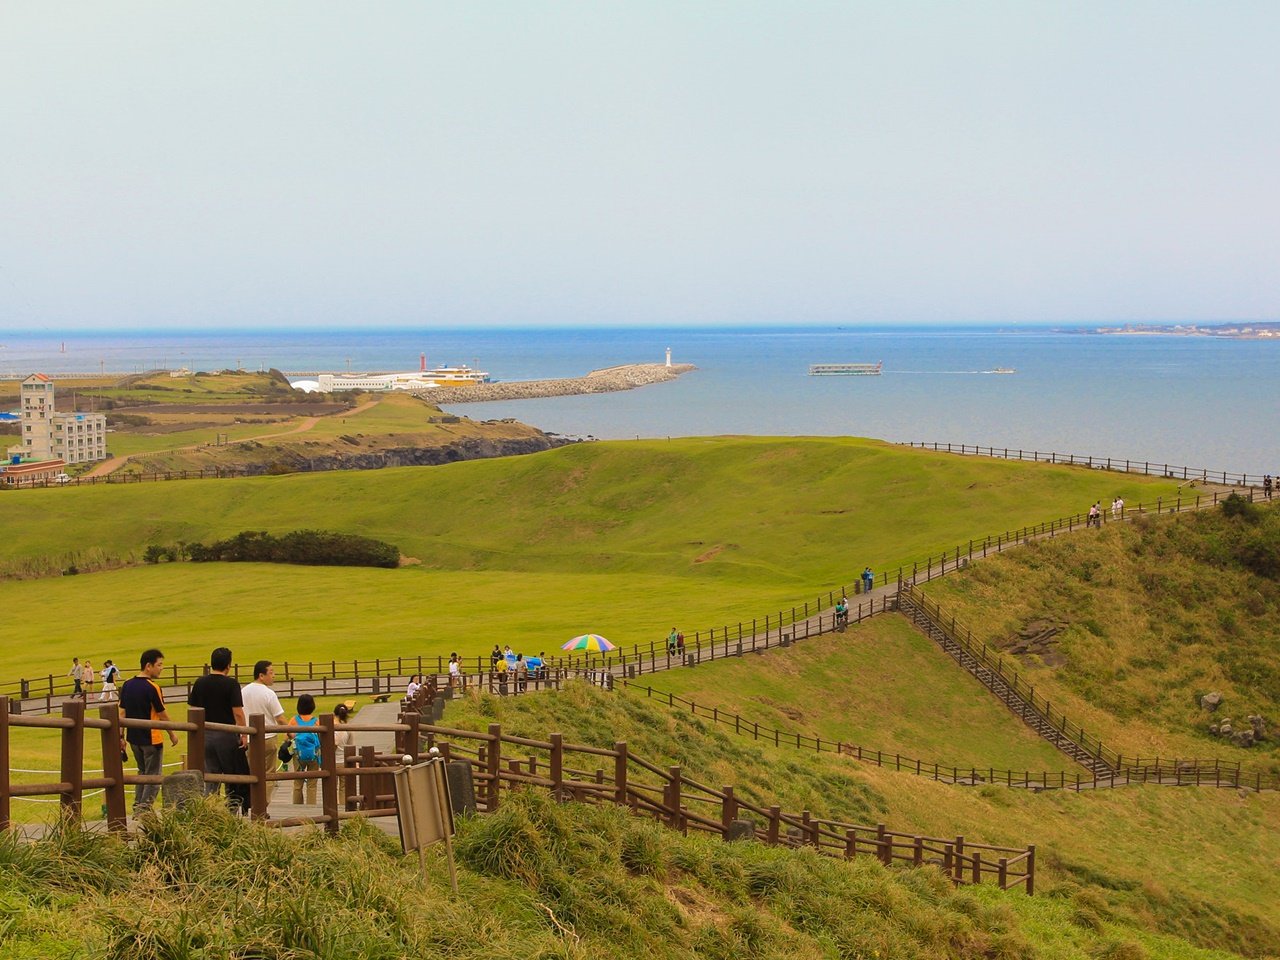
(846, 369)
(462, 376)
(47, 434)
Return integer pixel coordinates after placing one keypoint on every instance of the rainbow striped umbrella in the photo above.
(589, 643)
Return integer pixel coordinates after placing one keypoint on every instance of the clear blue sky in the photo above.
(418, 163)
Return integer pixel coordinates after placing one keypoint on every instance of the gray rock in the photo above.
(1211, 701)
(1259, 725)
(182, 788)
(1224, 728)
(1243, 738)
(741, 830)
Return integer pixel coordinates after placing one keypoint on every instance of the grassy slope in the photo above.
(537, 880)
(1159, 613)
(803, 511)
(1198, 861)
(881, 685)
(619, 538)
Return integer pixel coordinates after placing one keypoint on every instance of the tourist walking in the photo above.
(522, 674)
(842, 612)
(306, 747)
(1094, 516)
(224, 752)
(86, 677)
(1267, 483)
(868, 580)
(415, 682)
(77, 677)
(455, 672)
(109, 673)
(142, 699)
(671, 642)
(258, 697)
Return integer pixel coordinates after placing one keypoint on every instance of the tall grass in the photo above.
(537, 880)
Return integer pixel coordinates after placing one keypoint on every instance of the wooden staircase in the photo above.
(993, 681)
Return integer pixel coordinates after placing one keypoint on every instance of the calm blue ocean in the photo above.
(1195, 401)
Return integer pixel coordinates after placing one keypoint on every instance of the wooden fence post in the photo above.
(885, 848)
(5, 803)
(620, 773)
(494, 758)
(73, 759)
(1031, 870)
(675, 798)
(329, 764)
(728, 810)
(557, 765)
(259, 789)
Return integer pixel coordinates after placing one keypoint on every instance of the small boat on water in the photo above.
(846, 369)
(1001, 370)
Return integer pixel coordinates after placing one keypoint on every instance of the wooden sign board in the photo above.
(422, 797)
(424, 811)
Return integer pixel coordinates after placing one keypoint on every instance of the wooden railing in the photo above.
(502, 762)
(366, 799)
(1147, 468)
(1181, 771)
(642, 786)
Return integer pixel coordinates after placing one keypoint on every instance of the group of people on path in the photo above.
(223, 701)
(505, 664)
(1094, 516)
(82, 679)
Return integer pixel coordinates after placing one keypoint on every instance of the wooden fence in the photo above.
(368, 797)
(502, 762)
(1171, 771)
(1145, 467)
(1175, 770)
(633, 782)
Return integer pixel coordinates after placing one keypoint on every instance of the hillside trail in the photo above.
(305, 424)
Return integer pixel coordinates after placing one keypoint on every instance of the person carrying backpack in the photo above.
(306, 747)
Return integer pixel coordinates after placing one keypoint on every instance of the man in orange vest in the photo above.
(142, 699)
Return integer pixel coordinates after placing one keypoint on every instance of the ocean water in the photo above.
(1194, 401)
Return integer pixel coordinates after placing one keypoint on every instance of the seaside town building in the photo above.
(49, 440)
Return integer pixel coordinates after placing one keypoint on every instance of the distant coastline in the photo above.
(1262, 330)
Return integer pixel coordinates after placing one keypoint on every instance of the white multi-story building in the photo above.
(48, 434)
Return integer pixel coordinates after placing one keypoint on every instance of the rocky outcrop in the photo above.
(1211, 701)
(1255, 732)
(472, 448)
(609, 380)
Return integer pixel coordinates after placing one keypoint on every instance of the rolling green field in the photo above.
(623, 539)
(1153, 615)
(881, 685)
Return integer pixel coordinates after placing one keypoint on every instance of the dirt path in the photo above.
(115, 463)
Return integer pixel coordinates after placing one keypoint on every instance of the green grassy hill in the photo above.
(623, 539)
(748, 510)
(1152, 615)
(1194, 862)
(881, 685)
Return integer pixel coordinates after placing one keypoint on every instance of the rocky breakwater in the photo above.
(608, 380)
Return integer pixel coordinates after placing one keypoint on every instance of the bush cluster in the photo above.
(321, 548)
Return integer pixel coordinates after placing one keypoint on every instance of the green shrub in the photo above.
(309, 547)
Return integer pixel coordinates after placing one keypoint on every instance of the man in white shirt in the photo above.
(258, 696)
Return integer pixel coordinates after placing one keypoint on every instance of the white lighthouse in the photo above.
(668, 356)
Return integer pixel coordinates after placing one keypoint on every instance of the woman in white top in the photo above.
(414, 683)
(341, 740)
